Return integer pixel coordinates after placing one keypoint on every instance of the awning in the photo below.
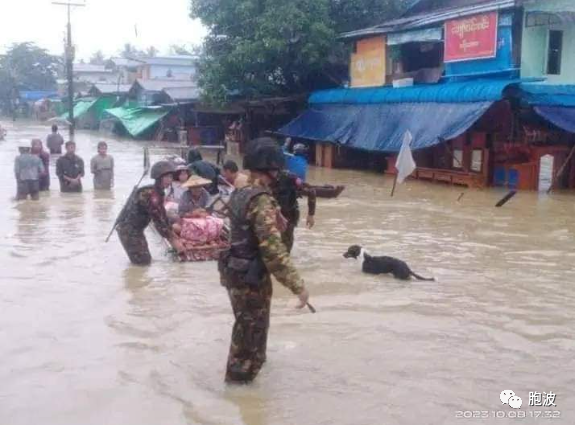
(457, 92)
(382, 127)
(428, 34)
(555, 103)
(377, 119)
(561, 116)
(137, 120)
(537, 18)
(548, 94)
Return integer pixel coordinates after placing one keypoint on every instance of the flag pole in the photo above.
(394, 184)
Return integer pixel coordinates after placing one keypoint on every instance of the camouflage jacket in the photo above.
(146, 205)
(288, 189)
(262, 214)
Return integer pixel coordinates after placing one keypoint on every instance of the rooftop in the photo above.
(171, 60)
(103, 88)
(88, 67)
(159, 85)
(183, 94)
(430, 18)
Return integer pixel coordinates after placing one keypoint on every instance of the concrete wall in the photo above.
(536, 40)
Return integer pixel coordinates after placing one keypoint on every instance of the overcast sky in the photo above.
(102, 25)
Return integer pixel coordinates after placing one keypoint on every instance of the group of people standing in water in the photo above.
(32, 167)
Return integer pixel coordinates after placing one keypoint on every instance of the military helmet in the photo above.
(263, 154)
(161, 168)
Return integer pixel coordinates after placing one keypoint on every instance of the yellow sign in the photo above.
(367, 68)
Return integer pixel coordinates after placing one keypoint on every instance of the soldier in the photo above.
(286, 190)
(147, 204)
(256, 253)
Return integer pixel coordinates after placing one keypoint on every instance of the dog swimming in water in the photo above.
(382, 265)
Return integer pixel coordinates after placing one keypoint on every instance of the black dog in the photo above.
(380, 265)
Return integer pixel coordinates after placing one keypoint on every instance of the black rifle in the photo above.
(128, 202)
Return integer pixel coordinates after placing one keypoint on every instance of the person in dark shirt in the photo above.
(54, 141)
(70, 170)
(204, 169)
(286, 190)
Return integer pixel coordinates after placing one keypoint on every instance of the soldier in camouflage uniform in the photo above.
(286, 190)
(256, 253)
(146, 205)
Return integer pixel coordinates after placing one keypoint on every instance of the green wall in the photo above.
(535, 41)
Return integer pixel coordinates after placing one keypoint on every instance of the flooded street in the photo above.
(88, 339)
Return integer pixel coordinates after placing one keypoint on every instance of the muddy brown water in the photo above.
(86, 338)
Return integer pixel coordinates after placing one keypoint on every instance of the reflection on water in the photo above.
(91, 339)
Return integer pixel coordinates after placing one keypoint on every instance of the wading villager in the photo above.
(54, 141)
(231, 173)
(287, 188)
(204, 169)
(146, 205)
(70, 170)
(181, 176)
(27, 169)
(38, 149)
(256, 253)
(102, 167)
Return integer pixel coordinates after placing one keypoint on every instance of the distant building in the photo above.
(168, 67)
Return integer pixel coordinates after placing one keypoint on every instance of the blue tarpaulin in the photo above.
(561, 116)
(376, 119)
(382, 127)
(459, 92)
(547, 94)
(34, 95)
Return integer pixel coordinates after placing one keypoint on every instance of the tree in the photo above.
(278, 47)
(131, 51)
(26, 66)
(98, 58)
(182, 49)
(151, 52)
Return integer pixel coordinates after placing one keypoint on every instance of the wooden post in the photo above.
(394, 184)
(561, 170)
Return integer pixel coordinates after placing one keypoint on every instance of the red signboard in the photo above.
(471, 38)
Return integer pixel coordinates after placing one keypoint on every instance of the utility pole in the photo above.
(69, 53)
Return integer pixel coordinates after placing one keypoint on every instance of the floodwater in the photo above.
(86, 338)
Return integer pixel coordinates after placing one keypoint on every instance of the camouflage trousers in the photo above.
(251, 307)
(288, 236)
(135, 245)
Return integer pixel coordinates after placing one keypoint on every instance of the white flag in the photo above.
(405, 164)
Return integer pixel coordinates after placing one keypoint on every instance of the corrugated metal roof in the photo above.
(126, 62)
(460, 92)
(102, 88)
(159, 85)
(182, 94)
(171, 60)
(88, 67)
(427, 19)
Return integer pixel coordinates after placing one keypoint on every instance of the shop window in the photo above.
(457, 159)
(477, 161)
(416, 56)
(554, 52)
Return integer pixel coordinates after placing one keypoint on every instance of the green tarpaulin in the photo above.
(81, 107)
(137, 120)
(91, 105)
(103, 103)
